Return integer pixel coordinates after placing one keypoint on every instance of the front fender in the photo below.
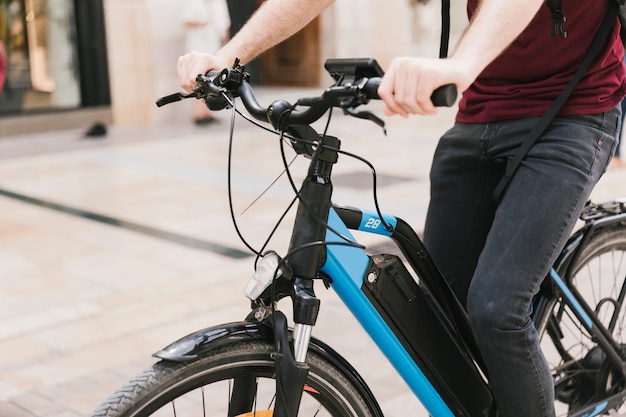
(190, 347)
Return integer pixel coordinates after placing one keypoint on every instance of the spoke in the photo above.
(203, 402)
(230, 396)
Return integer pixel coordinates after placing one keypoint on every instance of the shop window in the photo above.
(39, 42)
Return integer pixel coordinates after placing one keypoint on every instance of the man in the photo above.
(510, 70)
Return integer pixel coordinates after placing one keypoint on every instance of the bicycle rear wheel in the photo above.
(205, 388)
(581, 372)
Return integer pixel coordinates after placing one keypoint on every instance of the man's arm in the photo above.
(409, 82)
(275, 21)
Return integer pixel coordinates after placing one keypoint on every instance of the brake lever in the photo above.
(201, 90)
(173, 98)
(351, 111)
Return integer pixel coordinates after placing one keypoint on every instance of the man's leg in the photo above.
(532, 223)
(461, 208)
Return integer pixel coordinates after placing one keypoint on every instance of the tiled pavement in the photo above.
(89, 288)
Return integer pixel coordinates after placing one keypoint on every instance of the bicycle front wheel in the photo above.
(580, 369)
(206, 387)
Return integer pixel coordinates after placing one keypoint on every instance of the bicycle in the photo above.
(262, 367)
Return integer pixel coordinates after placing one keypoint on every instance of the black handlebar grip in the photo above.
(444, 96)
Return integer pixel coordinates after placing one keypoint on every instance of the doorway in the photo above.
(296, 61)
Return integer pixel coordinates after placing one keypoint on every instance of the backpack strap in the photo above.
(445, 29)
(546, 119)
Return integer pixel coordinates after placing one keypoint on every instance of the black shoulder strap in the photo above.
(546, 119)
(445, 29)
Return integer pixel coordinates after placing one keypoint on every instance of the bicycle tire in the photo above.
(205, 385)
(582, 374)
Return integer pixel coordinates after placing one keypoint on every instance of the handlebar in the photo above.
(357, 82)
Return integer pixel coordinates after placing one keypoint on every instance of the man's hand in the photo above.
(272, 23)
(409, 82)
(194, 63)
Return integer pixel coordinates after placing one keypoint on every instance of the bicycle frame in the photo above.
(425, 342)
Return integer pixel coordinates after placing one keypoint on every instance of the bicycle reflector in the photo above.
(266, 271)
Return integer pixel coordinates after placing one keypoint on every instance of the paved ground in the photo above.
(112, 248)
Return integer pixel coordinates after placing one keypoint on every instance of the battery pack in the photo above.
(427, 336)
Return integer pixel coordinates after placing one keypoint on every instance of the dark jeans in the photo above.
(495, 255)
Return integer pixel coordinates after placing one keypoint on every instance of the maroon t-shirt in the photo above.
(530, 74)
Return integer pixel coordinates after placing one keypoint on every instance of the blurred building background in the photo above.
(73, 63)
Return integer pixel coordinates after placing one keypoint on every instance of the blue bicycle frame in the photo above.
(351, 272)
(347, 266)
